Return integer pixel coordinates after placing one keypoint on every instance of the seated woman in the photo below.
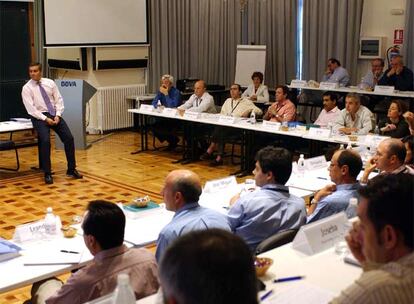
(409, 146)
(283, 109)
(395, 126)
(257, 91)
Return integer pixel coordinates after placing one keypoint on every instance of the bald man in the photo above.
(201, 101)
(398, 75)
(181, 191)
(389, 158)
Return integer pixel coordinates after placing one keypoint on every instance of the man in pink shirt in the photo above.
(330, 111)
(283, 109)
(103, 232)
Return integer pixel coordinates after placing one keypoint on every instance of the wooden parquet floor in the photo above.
(110, 173)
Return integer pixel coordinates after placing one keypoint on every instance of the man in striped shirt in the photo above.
(383, 242)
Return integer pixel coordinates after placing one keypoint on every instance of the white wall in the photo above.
(378, 21)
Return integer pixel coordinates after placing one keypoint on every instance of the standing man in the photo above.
(355, 118)
(335, 73)
(181, 191)
(383, 242)
(44, 103)
(271, 209)
(398, 75)
(344, 168)
(330, 111)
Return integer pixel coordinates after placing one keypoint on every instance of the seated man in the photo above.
(330, 111)
(389, 158)
(282, 109)
(236, 106)
(383, 242)
(211, 266)
(167, 96)
(370, 80)
(355, 118)
(398, 75)
(271, 209)
(103, 232)
(343, 170)
(336, 73)
(201, 101)
(181, 191)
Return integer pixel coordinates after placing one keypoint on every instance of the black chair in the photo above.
(276, 240)
(10, 145)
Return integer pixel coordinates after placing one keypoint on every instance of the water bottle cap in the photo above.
(353, 201)
(123, 279)
(49, 209)
(302, 156)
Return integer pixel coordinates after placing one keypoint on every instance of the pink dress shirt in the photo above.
(100, 276)
(325, 118)
(285, 109)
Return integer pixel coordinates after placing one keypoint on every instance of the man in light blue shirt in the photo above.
(271, 209)
(181, 191)
(370, 80)
(343, 170)
(336, 73)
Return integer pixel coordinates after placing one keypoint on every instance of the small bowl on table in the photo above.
(141, 202)
(353, 137)
(262, 265)
(69, 231)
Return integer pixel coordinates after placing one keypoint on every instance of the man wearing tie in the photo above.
(44, 103)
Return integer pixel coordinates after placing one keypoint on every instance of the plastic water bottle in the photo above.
(376, 130)
(253, 117)
(123, 293)
(351, 210)
(159, 106)
(50, 222)
(301, 166)
(341, 147)
(349, 146)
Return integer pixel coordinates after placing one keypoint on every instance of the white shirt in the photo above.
(33, 99)
(203, 104)
(262, 92)
(364, 120)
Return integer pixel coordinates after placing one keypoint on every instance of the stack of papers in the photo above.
(8, 250)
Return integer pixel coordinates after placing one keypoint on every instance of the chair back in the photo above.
(276, 240)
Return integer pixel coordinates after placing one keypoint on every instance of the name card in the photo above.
(146, 108)
(316, 163)
(328, 85)
(220, 184)
(192, 115)
(29, 232)
(319, 132)
(373, 140)
(301, 128)
(297, 83)
(227, 119)
(320, 235)
(169, 112)
(384, 89)
(271, 125)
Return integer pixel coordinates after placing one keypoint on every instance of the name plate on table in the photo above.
(29, 232)
(373, 140)
(192, 115)
(315, 163)
(169, 112)
(328, 85)
(220, 184)
(297, 83)
(146, 108)
(271, 125)
(320, 235)
(227, 119)
(384, 89)
(319, 132)
(301, 128)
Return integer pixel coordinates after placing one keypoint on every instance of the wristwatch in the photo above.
(313, 202)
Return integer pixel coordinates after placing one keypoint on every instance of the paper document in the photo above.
(299, 293)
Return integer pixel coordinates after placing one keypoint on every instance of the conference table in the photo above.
(14, 126)
(247, 130)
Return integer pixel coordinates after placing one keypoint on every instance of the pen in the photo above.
(69, 251)
(287, 279)
(266, 295)
(324, 178)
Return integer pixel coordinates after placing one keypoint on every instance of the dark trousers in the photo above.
(62, 130)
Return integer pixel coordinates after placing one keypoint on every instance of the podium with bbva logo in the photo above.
(76, 93)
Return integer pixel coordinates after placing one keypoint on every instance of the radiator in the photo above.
(108, 109)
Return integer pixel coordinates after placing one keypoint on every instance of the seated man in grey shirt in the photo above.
(355, 118)
(103, 227)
